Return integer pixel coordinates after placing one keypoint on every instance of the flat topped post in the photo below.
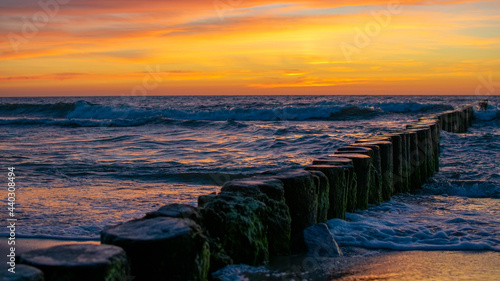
(375, 188)
(174, 247)
(386, 159)
(338, 187)
(79, 262)
(376, 191)
(425, 150)
(362, 167)
(350, 180)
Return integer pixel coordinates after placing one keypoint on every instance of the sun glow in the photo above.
(89, 47)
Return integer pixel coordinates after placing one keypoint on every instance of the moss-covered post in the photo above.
(301, 196)
(375, 193)
(338, 187)
(323, 186)
(447, 120)
(405, 145)
(162, 246)
(423, 138)
(434, 125)
(415, 179)
(397, 156)
(277, 218)
(455, 121)
(470, 115)
(461, 120)
(350, 181)
(386, 165)
(362, 167)
(375, 181)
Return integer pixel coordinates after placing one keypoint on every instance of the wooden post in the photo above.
(362, 167)
(386, 165)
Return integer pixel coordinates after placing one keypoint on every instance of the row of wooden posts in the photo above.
(253, 219)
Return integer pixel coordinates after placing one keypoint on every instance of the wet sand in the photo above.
(428, 265)
(356, 264)
(361, 264)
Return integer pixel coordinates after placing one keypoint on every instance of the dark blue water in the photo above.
(86, 162)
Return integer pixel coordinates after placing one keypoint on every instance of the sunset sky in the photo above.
(227, 47)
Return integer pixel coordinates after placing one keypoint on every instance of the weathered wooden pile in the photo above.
(253, 219)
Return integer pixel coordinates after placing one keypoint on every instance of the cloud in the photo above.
(49, 76)
(261, 43)
(122, 54)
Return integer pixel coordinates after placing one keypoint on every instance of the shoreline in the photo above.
(428, 265)
(356, 264)
(365, 264)
(387, 155)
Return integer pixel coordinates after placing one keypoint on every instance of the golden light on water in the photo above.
(255, 47)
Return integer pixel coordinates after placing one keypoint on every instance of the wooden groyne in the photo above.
(250, 220)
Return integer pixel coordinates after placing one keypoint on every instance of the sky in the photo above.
(231, 47)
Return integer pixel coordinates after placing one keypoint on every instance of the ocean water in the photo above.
(83, 163)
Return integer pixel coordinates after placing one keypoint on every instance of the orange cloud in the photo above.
(260, 46)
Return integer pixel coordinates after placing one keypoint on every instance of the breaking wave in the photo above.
(86, 114)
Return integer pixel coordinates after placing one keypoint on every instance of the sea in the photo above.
(84, 163)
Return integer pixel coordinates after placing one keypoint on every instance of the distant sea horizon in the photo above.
(84, 163)
(478, 97)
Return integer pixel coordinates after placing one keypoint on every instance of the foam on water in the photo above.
(427, 223)
(458, 209)
(237, 272)
(100, 112)
(85, 163)
(492, 112)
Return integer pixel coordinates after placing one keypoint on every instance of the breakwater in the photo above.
(239, 224)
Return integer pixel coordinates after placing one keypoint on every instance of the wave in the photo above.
(201, 178)
(86, 114)
(412, 107)
(166, 171)
(466, 188)
(492, 112)
(56, 110)
(396, 225)
(119, 122)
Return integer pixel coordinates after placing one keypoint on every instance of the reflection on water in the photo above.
(363, 265)
(77, 181)
(85, 164)
(82, 209)
(429, 265)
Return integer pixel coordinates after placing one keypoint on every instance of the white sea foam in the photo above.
(427, 223)
(78, 112)
(492, 112)
(91, 162)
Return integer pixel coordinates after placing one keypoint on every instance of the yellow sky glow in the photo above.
(90, 47)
